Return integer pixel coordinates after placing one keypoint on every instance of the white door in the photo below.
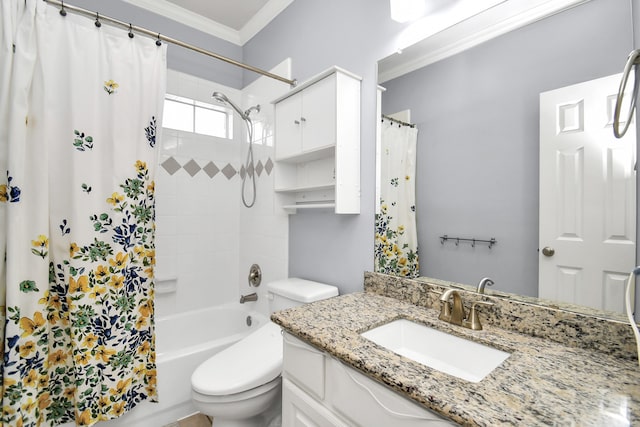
(587, 197)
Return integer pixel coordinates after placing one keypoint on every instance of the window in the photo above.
(199, 117)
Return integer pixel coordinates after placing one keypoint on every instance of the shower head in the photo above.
(222, 98)
(255, 108)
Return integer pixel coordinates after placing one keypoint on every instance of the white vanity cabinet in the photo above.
(318, 390)
(317, 144)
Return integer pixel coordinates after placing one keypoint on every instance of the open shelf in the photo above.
(311, 206)
(318, 187)
(307, 156)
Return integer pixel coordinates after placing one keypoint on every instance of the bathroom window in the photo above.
(194, 116)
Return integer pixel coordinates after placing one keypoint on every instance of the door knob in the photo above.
(548, 251)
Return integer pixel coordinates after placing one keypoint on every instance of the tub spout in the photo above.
(249, 297)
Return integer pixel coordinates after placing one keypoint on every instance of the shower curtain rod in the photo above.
(400, 122)
(64, 6)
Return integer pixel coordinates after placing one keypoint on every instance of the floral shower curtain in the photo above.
(78, 117)
(396, 242)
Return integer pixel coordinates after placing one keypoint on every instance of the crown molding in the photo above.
(452, 41)
(261, 19)
(188, 18)
(179, 14)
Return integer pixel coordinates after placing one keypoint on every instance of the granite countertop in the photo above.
(542, 383)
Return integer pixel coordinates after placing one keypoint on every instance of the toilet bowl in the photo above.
(241, 385)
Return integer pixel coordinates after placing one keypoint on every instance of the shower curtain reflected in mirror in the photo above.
(396, 241)
(78, 117)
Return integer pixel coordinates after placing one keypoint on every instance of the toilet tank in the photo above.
(292, 292)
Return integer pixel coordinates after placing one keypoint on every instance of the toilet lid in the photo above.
(249, 363)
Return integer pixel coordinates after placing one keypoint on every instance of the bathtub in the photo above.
(183, 341)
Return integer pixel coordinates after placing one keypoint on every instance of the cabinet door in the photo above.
(288, 127)
(365, 402)
(301, 410)
(319, 114)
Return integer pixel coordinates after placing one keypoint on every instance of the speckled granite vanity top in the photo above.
(543, 382)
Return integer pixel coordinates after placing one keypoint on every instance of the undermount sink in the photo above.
(447, 353)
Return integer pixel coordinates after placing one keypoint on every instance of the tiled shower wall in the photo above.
(206, 239)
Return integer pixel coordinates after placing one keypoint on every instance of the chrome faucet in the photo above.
(454, 315)
(487, 281)
(248, 297)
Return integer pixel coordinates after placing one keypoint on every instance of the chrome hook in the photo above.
(158, 42)
(63, 12)
(131, 35)
(98, 23)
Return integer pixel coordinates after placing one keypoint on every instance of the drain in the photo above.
(249, 320)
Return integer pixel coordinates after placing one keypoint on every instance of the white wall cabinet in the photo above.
(318, 390)
(317, 144)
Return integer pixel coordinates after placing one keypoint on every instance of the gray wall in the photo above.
(478, 173)
(352, 34)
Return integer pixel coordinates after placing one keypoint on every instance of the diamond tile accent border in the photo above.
(192, 167)
(268, 166)
(211, 169)
(171, 165)
(229, 171)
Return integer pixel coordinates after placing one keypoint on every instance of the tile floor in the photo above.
(195, 420)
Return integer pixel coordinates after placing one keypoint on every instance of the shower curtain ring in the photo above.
(98, 23)
(131, 35)
(158, 42)
(62, 11)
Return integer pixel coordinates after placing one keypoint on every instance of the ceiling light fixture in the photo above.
(407, 10)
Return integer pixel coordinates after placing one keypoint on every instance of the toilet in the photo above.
(241, 385)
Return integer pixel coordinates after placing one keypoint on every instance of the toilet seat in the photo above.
(236, 397)
(254, 361)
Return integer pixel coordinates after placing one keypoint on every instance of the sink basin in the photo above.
(447, 353)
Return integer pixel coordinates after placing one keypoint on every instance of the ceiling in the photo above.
(235, 21)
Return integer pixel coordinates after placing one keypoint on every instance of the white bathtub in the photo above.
(183, 341)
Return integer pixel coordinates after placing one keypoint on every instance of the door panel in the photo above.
(587, 197)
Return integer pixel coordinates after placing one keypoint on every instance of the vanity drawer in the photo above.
(364, 402)
(304, 365)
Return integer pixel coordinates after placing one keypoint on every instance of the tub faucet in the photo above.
(248, 297)
(487, 281)
(453, 315)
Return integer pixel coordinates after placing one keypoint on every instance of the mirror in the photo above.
(477, 112)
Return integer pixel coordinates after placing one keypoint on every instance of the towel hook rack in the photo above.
(492, 241)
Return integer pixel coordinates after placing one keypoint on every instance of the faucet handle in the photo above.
(445, 311)
(473, 321)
